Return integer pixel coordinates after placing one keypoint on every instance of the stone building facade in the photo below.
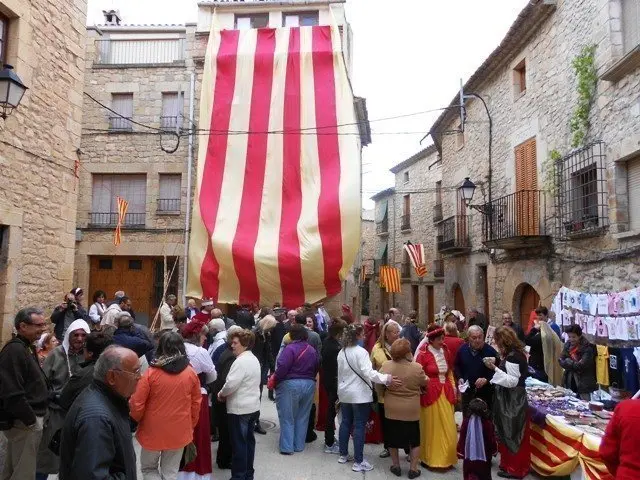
(44, 42)
(536, 224)
(152, 74)
(408, 212)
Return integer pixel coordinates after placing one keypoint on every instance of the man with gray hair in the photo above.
(167, 321)
(217, 313)
(96, 438)
(128, 336)
(474, 378)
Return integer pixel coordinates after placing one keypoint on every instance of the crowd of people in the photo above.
(77, 387)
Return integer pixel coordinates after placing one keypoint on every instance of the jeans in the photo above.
(293, 401)
(354, 415)
(330, 427)
(243, 445)
(160, 465)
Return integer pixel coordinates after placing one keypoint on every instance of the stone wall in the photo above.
(544, 112)
(38, 190)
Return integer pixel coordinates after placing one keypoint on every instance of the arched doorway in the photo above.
(458, 299)
(529, 300)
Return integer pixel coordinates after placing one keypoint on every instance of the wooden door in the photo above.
(431, 308)
(458, 299)
(415, 299)
(528, 301)
(133, 275)
(526, 201)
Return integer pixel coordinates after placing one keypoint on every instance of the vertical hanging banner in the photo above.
(123, 205)
(276, 214)
(416, 256)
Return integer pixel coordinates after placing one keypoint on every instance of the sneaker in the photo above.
(385, 453)
(334, 449)
(345, 458)
(363, 466)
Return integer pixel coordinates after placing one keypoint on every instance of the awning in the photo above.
(382, 251)
(382, 211)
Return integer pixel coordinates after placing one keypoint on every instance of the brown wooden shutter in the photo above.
(527, 211)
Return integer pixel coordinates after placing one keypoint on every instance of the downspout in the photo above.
(187, 221)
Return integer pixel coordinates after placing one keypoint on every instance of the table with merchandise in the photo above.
(565, 432)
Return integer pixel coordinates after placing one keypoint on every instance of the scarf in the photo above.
(75, 325)
(165, 360)
(474, 443)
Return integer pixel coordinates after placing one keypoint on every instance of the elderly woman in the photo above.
(355, 392)
(295, 376)
(166, 405)
(218, 334)
(402, 406)
(437, 423)
(194, 334)
(379, 355)
(241, 391)
(579, 363)
(510, 407)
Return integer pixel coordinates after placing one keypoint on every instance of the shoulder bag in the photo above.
(271, 382)
(374, 404)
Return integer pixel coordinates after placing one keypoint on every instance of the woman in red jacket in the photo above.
(619, 447)
(437, 423)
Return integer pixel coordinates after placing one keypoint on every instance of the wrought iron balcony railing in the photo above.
(405, 222)
(168, 205)
(120, 124)
(382, 227)
(110, 219)
(405, 270)
(437, 213)
(438, 268)
(453, 236)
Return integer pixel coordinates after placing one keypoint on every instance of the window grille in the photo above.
(582, 203)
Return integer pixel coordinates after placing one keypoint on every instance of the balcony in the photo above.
(437, 213)
(516, 221)
(108, 220)
(453, 235)
(170, 123)
(438, 268)
(168, 205)
(405, 270)
(120, 124)
(405, 222)
(134, 52)
(382, 228)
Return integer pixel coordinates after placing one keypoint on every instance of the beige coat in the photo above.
(403, 403)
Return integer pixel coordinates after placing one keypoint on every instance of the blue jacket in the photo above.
(132, 340)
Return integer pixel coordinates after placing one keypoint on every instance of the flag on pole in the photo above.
(416, 256)
(363, 273)
(122, 211)
(276, 214)
(390, 279)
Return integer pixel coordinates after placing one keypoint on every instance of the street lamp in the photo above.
(467, 189)
(11, 91)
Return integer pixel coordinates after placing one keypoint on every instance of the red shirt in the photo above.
(619, 448)
(434, 388)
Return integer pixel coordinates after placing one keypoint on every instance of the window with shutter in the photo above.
(170, 111)
(633, 189)
(245, 22)
(170, 193)
(107, 188)
(4, 31)
(122, 103)
(630, 24)
(301, 19)
(526, 214)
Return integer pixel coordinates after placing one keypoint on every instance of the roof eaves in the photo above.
(524, 27)
(384, 193)
(425, 152)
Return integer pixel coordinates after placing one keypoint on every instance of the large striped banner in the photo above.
(276, 214)
(416, 256)
(558, 449)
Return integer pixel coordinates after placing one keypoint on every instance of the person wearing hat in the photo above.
(204, 315)
(437, 421)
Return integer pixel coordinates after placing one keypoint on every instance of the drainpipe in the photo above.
(187, 221)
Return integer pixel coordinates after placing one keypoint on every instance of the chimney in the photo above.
(112, 17)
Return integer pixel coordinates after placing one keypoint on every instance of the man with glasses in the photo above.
(24, 392)
(507, 321)
(96, 438)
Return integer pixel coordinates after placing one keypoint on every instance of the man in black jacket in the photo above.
(330, 350)
(96, 438)
(127, 335)
(23, 396)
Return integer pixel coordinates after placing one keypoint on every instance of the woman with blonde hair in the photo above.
(402, 409)
(437, 423)
(379, 355)
(510, 407)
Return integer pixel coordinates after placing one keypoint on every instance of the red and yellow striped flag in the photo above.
(123, 205)
(415, 251)
(390, 279)
(277, 204)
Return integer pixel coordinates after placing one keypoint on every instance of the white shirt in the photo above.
(441, 361)
(201, 362)
(508, 379)
(109, 317)
(352, 388)
(166, 318)
(96, 312)
(242, 388)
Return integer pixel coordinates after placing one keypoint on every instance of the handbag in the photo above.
(374, 404)
(272, 382)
